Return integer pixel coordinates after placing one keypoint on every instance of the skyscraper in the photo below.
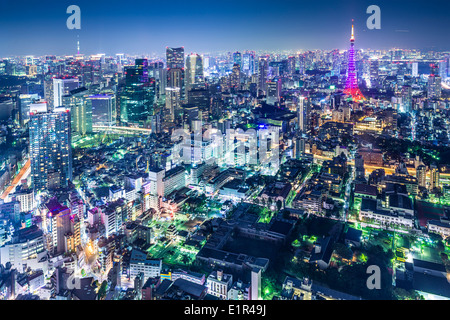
(434, 177)
(235, 77)
(406, 98)
(137, 97)
(237, 58)
(175, 70)
(80, 111)
(50, 147)
(61, 87)
(248, 63)
(175, 58)
(351, 84)
(194, 72)
(421, 173)
(24, 107)
(303, 115)
(103, 109)
(263, 72)
(434, 83)
(172, 103)
(273, 90)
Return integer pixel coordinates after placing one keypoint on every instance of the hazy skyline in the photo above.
(146, 27)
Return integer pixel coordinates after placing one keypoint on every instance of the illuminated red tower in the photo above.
(351, 85)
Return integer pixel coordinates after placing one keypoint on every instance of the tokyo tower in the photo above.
(351, 85)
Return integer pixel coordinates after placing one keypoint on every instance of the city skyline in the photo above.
(30, 28)
(235, 163)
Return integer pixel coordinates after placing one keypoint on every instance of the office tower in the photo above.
(299, 147)
(80, 111)
(374, 75)
(273, 90)
(141, 70)
(434, 177)
(50, 147)
(48, 91)
(24, 107)
(175, 79)
(194, 72)
(406, 99)
(275, 69)
(263, 72)
(235, 78)
(175, 69)
(291, 65)
(303, 114)
(175, 58)
(173, 103)
(217, 105)
(237, 58)
(200, 98)
(61, 87)
(137, 96)
(415, 69)
(248, 63)
(421, 174)
(351, 84)
(434, 83)
(157, 71)
(103, 109)
(444, 67)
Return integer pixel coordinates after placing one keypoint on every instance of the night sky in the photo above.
(38, 27)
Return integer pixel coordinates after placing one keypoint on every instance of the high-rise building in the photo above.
(351, 84)
(415, 69)
(175, 58)
(434, 83)
(273, 90)
(103, 109)
(237, 58)
(63, 226)
(194, 72)
(24, 107)
(137, 96)
(80, 111)
(406, 99)
(61, 87)
(434, 177)
(304, 114)
(50, 147)
(255, 284)
(263, 72)
(157, 71)
(175, 79)
(421, 174)
(235, 77)
(173, 103)
(291, 65)
(248, 63)
(176, 69)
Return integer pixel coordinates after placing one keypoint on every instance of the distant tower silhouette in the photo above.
(351, 85)
(78, 44)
